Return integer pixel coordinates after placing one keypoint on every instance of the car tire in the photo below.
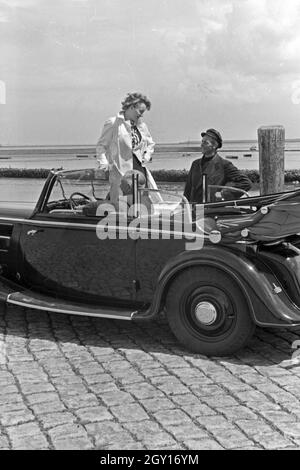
(208, 312)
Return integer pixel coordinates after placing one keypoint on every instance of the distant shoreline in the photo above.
(188, 143)
(180, 149)
(291, 176)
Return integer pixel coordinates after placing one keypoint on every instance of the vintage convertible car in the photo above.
(216, 269)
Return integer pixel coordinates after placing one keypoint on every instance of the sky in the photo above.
(66, 65)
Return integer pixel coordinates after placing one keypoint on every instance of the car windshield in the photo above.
(88, 182)
(82, 191)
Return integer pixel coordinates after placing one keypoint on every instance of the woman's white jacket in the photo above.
(114, 149)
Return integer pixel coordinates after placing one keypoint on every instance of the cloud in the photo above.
(239, 49)
(200, 54)
(12, 4)
(255, 37)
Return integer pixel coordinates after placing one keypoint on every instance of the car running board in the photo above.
(42, 302)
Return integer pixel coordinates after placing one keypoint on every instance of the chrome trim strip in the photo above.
(70, 312)
(49, 223)
(116, 317)
(279, 325)
(94, 226)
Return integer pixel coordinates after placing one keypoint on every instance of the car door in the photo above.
(162, 237)
(62, 255)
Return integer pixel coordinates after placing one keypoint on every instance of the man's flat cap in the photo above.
(215, 135)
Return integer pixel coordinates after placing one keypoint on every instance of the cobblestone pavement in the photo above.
(70, 382)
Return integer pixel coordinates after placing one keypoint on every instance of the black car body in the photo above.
(218, 270)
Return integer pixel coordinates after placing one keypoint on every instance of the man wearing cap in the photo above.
(220, 172)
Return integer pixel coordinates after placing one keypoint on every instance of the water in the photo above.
(20, 189)
(166, 156)
(246, 158)
(27, 190)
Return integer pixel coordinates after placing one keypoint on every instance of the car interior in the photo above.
(77, 195)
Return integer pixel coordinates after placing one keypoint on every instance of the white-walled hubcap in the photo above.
(206, 313)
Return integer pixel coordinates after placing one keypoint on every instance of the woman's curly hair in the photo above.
(133, 99)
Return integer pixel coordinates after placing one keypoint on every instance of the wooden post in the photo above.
(271, 142)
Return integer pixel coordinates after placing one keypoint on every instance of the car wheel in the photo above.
(208, 312)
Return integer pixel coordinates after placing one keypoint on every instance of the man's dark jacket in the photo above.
(219, 172)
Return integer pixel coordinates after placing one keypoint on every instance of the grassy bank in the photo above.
(23, 173)
(291, 176)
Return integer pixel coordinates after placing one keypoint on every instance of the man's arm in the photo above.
(236, 178)
(188, 185)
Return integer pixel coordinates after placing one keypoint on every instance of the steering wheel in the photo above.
(76, 203)
(222, 190)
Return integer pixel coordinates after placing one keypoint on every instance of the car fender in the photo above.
(268, 303)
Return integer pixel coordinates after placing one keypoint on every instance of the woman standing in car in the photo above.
(126, 144)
